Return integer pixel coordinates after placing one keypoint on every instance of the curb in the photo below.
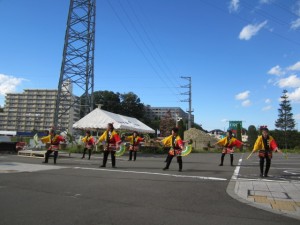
(230, 191)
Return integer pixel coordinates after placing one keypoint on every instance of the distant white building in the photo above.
(158, 112)
(34, 110)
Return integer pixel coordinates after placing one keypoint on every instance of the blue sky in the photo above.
(241, 54)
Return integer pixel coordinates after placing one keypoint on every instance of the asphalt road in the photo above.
(282, 168)
(140, 192)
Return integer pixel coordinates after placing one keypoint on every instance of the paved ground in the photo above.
(279, 193)
(78, 192)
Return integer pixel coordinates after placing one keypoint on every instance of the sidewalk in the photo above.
(282, 197)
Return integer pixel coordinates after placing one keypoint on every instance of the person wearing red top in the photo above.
(228, 143)
(176, 146)
(110, 140)
(265, 144)
(55, 139)
(134, 140)
(89, 142)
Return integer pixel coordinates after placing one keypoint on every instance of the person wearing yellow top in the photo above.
(176, 146)
(89, 142)
(134, 141)
(54, 140)
(228, 143)
(111, 140)
(265, 144)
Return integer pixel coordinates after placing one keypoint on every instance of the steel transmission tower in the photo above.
(77, 68)
(189, 100)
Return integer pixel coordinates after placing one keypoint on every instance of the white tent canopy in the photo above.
(99, 118)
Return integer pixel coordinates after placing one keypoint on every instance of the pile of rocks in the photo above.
(201, 140)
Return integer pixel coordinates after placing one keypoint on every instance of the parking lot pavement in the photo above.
(278, 193)
(77, 191)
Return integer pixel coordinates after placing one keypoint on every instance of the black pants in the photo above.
(262, 162)
(48, 153)
(169, 160)
(113, 158)
(134, 155)
(84, 151)
(223, 156)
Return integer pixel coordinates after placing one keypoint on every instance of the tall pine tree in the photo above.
(252, 135)
(285, 119)
(239, 132)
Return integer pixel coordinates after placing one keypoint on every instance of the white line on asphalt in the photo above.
(277, 163)
(267, 180)
(159, 174)
(237, 169)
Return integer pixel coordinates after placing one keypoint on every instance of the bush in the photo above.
(154, 149)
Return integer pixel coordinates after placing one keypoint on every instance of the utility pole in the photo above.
(189, 99)
(77, 68)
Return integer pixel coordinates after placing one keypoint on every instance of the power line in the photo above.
(137, 45)
(284, 8)
(245, 20)
(265, 14)
(152, 44)
(157, 38)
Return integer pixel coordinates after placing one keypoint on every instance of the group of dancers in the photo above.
(265, 144)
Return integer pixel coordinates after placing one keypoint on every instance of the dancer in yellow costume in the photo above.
(265, 144)
(228, 143)
(176, 146)
(134, 141)
(111, 140)
(54, 140)
(89, 143)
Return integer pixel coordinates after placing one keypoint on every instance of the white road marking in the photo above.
(237, 169)
(293, 172)
(151, 173)
(15, 167)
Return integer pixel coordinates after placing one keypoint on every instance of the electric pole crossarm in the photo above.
(189, 100)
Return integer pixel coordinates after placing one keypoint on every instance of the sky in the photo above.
(240, 54)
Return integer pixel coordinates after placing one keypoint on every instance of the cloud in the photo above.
(296, 8)
(266, 108)
(276, 70)
(246, 103)
(251, 30)
(268, 101)
(224, 120)
(242, 96)
(295, 24)
(295, 67)
(295, 95)
(9, 83)
(234, 5)
(292, 82)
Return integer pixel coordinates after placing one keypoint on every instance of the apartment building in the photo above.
(34, 110)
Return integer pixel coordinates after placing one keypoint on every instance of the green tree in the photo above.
(285, 119)
(166, 124)
(252, 135)
(110, 101)
(131, 106)
(239, 132)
